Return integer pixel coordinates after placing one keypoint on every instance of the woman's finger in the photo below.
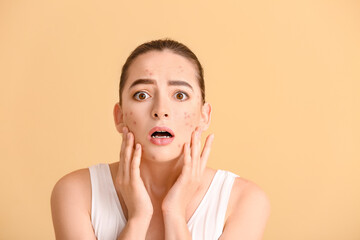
(135, 163)
(121, 160)
(128, 155)
(196, 152)
(198, 155)
(187, 156)
(206, 151)
(194, 148)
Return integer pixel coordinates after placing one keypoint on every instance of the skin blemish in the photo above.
(125, 114)
(179, 145)
(148, 72)
(130, 113)
(134, 122)
(186, 115)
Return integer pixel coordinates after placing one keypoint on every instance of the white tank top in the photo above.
(206, 223)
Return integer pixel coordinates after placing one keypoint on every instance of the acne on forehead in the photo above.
(150, 63)
(149, 72)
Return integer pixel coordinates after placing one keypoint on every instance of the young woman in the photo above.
(160, 188)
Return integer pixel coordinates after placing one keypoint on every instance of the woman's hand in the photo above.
(129, 182)
(179, 196)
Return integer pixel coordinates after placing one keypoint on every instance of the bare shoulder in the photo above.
(71, 206)
(75, 185)
(249, 193)
(248, 211)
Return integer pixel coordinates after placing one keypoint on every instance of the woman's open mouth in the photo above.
(161, 135)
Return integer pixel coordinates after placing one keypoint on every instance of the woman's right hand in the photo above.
(129, 182)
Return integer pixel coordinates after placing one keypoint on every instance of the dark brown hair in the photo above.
(161, 45)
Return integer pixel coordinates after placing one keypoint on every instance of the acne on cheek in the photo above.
(129, 121)
(189, 119)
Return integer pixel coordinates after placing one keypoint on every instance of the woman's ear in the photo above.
(118, 117)
(205, 116)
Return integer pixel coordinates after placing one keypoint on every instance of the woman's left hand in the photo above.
(185, 187)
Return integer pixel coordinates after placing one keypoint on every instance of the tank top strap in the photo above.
(209, 218)
(107, 216)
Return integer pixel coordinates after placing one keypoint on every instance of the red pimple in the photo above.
(130, 113)
(134, 122)
(148, 72)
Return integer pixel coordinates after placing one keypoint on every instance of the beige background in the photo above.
(282, 76)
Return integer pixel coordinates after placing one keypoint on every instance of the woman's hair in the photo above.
(161, 45)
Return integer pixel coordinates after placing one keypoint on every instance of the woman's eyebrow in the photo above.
(180, 83)
(142, 81)
(170, 83)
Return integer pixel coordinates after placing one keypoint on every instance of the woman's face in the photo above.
(162, 90)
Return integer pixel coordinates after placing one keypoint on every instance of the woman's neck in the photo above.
(159, 177)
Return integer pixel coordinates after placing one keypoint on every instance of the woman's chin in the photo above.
(161, 155)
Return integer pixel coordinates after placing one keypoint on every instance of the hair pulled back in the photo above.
(161, 45)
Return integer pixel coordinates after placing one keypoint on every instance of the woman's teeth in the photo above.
(161, 134)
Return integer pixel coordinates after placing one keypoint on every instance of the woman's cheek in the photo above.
(190, 121)
(129, 120)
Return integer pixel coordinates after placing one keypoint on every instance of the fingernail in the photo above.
(137, 146)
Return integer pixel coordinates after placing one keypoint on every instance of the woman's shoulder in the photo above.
(243, 188)
(245, 191)
(71, 206)
(248, 207)
(76, 179)
(74, 187)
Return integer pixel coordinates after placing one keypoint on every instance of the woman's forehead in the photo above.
(162, 66)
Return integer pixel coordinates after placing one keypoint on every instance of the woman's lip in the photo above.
(161, 141)
(163, 129)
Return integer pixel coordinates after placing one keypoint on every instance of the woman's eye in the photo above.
(181, 96)
(141, 95)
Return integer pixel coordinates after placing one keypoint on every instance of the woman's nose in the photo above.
(156, 115)
(160, 109)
